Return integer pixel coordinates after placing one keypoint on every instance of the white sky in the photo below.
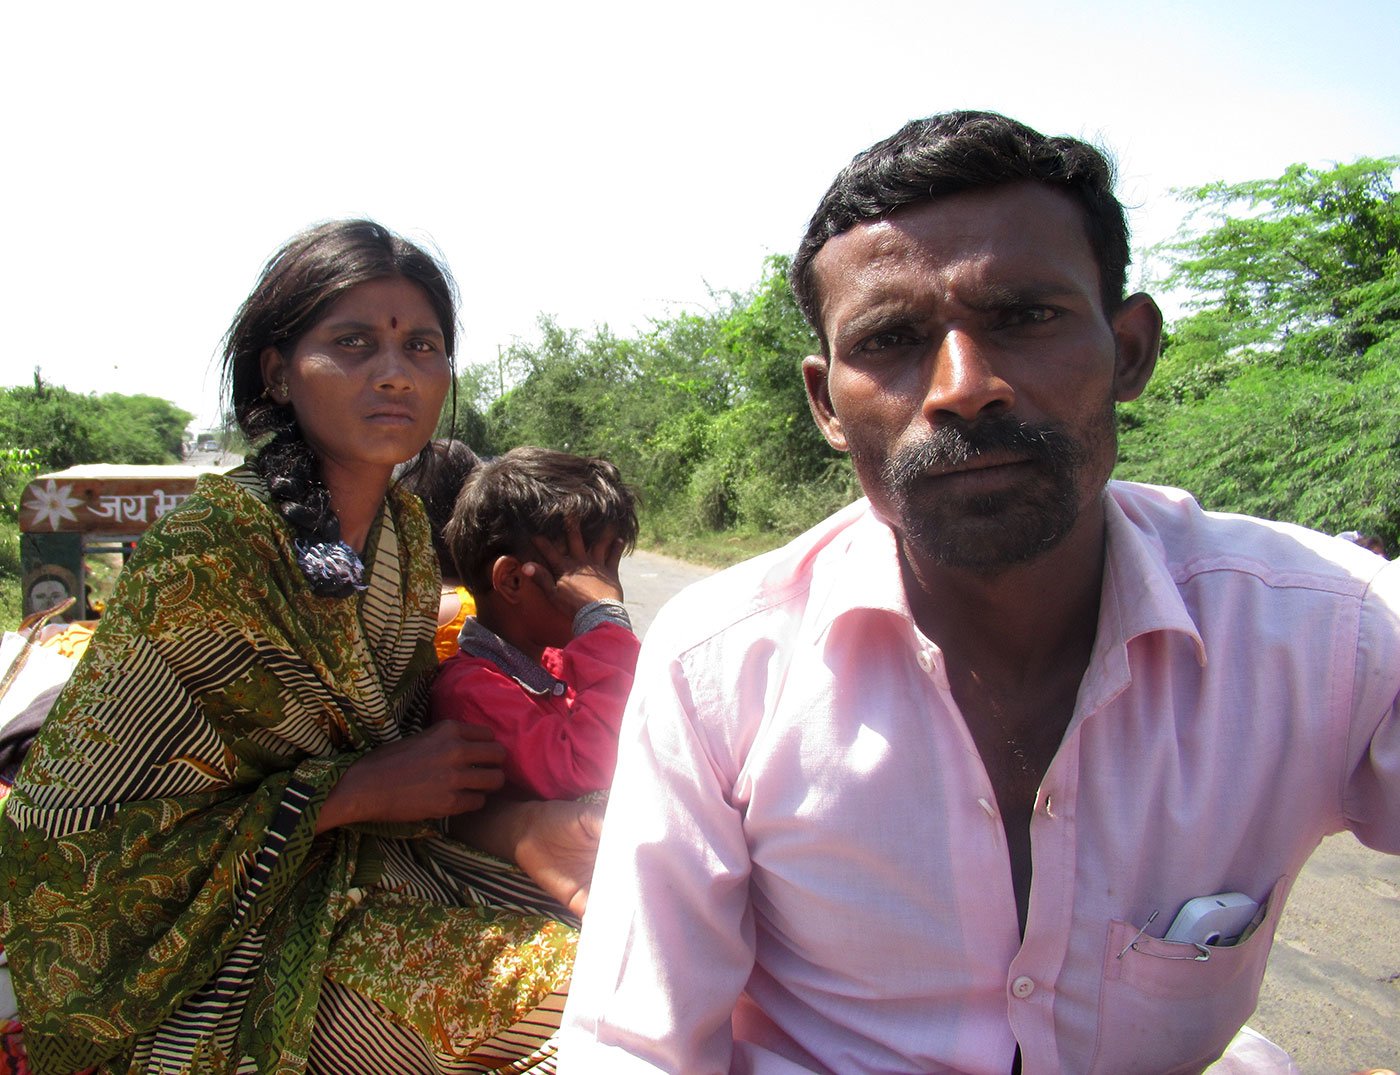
(605, 162)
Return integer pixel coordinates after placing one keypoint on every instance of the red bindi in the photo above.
(393, 322)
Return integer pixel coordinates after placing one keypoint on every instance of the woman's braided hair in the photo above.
(295, 289)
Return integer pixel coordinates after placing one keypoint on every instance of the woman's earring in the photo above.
(278, 394)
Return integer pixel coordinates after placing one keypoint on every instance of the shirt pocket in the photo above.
(1164, 1010)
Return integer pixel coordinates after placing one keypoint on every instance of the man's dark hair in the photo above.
(530, 492)
(955, 152)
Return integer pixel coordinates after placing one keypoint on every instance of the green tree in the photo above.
(1305, 266)
(143, 430)
(17, 466)
(769, 459)
(64, 428)
(567, 385)
(1278, 394)
(59, 426)
(704, 413)
(464, 415)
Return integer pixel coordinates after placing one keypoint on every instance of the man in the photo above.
(923, 790)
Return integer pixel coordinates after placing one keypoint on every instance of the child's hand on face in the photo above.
(579, 574)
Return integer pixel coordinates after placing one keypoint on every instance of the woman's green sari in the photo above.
(164, 902)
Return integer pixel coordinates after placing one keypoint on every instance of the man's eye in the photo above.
(1030, 315)
(887, 341)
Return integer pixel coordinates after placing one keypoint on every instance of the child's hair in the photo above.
(531, 492)
(445, 468)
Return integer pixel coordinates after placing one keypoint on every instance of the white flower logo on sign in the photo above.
(53, 504)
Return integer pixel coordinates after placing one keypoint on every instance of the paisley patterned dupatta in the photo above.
(163, 898)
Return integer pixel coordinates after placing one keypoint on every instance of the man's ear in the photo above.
(507, 580)
(816, 370)
(1137, 336)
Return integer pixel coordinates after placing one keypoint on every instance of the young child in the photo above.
(548, 662)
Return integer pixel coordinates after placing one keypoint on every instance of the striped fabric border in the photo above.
(283, 824)
(354, 1034)
(442, 869)
(211, 1015)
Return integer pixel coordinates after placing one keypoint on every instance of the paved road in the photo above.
(220, 459)
(649, 580)
(1331, 996)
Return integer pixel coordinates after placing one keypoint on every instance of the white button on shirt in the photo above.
(798, 870)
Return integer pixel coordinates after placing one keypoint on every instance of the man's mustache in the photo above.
(955, 443)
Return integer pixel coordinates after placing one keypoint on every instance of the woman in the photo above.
(224, 851)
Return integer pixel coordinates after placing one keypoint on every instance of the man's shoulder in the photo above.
(774, 586)
(1192, 542)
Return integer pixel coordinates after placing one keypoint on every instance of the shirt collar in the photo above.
(860, 570)
(1139, 596)
(479, 641)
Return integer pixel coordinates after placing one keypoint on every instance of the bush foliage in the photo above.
(1277, 394)
(705, 414)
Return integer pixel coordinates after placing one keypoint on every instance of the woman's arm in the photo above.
(445, 770)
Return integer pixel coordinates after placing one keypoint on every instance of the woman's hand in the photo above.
(445, 770)
(578, 574)
(554, 842)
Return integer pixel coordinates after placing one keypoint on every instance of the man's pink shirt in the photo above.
(803, 867)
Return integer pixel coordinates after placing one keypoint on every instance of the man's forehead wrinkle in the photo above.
(881, 284)
(982, 251)
(885, 238)
(856, 281)
(872, 291)
(975, 269)
(969, 253)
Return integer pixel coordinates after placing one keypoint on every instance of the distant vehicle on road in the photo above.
(207, 443)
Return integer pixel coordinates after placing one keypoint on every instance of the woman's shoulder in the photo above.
(238, 493)
(222, 506)
(213, 558)
(410, 521)
(406, 507)
(225, 521)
